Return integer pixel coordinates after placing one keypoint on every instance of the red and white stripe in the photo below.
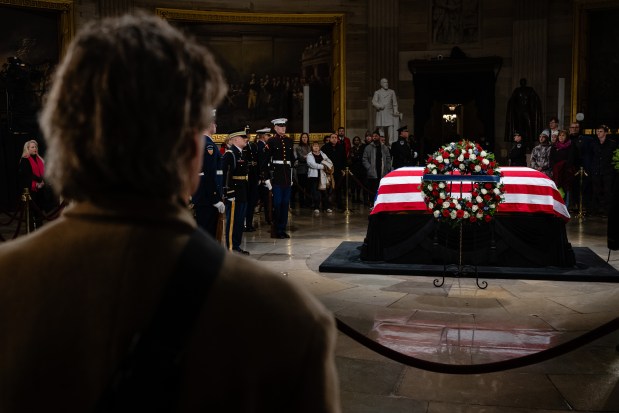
(526, 190)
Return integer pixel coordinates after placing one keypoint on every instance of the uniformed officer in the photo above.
(250, 154)
(264, 193)
(401, 154)
(518, 153)
(208, 199)
(235, 188)
(280, 160)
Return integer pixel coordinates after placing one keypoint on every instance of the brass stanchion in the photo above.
(347, 211)
(25, 198)
(581, 172)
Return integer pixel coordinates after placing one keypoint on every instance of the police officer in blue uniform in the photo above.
(280, 160)
(208, 199)
(235, 189)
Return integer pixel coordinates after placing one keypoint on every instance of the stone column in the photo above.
(530, 45)
(382, 52)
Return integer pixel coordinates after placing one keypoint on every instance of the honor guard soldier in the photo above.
(235, 189)
(250, 154)
(518, 153)
(401, 153)
(279, 168)
(208, 199)
(264, 193)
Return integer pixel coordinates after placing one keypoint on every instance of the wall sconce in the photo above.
(450, 117)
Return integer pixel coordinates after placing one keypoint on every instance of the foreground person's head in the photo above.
(126, 111)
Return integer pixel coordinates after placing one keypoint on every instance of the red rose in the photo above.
(435, 193)
(460, 213)
(445, 213)
(457, 152)
(487, 218)
(466, 155)
(488, 185)
(473, 218)
(487, 197)
(490, 171)
(469, 204)
(452, 205)
(434, 185)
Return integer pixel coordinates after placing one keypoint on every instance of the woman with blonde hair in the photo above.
(30, 172)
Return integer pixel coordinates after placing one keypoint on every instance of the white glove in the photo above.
(267, 183)
(415, 154)
(221, 207)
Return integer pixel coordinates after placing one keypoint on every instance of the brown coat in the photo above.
(73, 293)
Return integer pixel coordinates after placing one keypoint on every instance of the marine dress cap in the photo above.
(264, 130)
(279, 121)
(403, 128)
(545, 133)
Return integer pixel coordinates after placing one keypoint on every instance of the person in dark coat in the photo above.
(602, 171)
(250, 153)
(518, 152)
(208, 199)
(336, 151)
(401, 154)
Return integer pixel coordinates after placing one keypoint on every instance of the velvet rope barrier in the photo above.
(484, 368)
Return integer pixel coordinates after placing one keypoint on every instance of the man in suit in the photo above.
(76, 295)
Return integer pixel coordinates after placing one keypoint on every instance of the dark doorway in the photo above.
(467, 85)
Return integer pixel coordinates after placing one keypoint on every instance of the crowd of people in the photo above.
(275, 174)
(580, 165)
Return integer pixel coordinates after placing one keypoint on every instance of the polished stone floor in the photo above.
(457, 324)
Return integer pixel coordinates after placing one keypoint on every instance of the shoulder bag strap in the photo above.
(148, 378)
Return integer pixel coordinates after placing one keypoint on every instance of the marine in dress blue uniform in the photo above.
(235, 187)
(279, 165)
(208, 199)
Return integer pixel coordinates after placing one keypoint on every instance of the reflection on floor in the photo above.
(457, 323)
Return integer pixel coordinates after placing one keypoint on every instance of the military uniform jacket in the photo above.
(280, 160)
(250, 154)
(211, 181)
(235, 174)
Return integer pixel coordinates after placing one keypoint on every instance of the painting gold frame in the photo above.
(335, 20)
(66, 21)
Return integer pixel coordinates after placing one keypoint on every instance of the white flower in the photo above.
(445, 204)
(492, 206)
(430, 205)
(434, 171)
(479, 199)
(470, 151)
(458, 206)
(436, 214)
(442, 196)
(477, 168)
(483, 153)
(484, 191)
(462, 166)
(439, 158)
(431, 166)
(441, 185)
(497, 191)
(466, 215)
(485, 162)
(480, 215)
(472, 157)
(461, 158)
(474, 208)
(429, 187)
(452, 215)
(446, 161)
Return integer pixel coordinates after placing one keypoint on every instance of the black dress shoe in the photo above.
(240, 251)
(284, 235)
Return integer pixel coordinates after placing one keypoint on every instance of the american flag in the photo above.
(525, 190)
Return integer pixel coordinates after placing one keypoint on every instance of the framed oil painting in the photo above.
(271, 62)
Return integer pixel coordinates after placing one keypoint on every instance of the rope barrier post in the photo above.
(582, 173)
(25, 198)
(347, 211)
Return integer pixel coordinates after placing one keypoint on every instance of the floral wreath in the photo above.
(468, 158)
